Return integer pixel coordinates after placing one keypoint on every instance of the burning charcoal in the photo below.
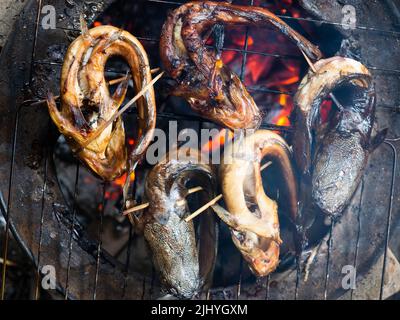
(211, 88)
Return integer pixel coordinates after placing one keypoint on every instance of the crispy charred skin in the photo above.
(212, 90)
(86, 102)
(183, 268)
(251, 215)
(333, 158)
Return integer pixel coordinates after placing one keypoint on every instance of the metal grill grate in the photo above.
(391, 143)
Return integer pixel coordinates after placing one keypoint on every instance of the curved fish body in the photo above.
(185, 268)
(86, 103)
(210, 87)
(333, 157)
(251, 214)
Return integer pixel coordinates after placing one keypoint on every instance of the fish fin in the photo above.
(120, 93)
(225, 216)
(84, 27)
(377, 140)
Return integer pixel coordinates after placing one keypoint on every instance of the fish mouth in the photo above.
(185, 290)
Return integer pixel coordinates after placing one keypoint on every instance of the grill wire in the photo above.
(283, 129)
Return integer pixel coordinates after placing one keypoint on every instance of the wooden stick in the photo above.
(309, 61)
(136, 208)
(182, 202)
(121, 111)
(203, 208)
(110, 83)
(8, 263)
(190, 191)
(265, 165)
(216, 199)
(146, 204)
(194, 190)
(118, 80)
(334, 99)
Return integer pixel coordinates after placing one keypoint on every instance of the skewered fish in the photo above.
(332, 157)
(251, 214)
(183, 268)
(212, 89)
(86, 103)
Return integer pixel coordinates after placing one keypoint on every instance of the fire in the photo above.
(296, 14)
(241, 41)
(283, 119)
(218, 141)
(325, 109)
(228, 57)
(256, 68)
(264, 70)
(290, 80)
(286, 103)
(121, 180)
(283, 100)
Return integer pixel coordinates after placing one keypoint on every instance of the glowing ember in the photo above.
(114, 190)
(265, 70)
(241, 41)
(218, 141)
(283, 119)
(325, 109)
(121, 180)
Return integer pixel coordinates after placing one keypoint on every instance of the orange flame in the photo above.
(286, 102)
(228, 56)
(241, 41)
(218, 141)
(121, 180)
(283, 120)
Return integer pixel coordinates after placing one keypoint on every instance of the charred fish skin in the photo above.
(334, 160)
(86, 102)
(211, 88)
(251, 215)
(171, 239)
(338, 169)
(174, 254)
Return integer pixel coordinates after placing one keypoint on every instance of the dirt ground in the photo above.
(9, 9)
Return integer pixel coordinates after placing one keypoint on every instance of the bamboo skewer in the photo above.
(265, 165)
(190, 191)
(137, 208)
(203, 208)
(181, 202)
(110, 83)
(145, 205)
(216, 199)
(121, 111)
(8, 263)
